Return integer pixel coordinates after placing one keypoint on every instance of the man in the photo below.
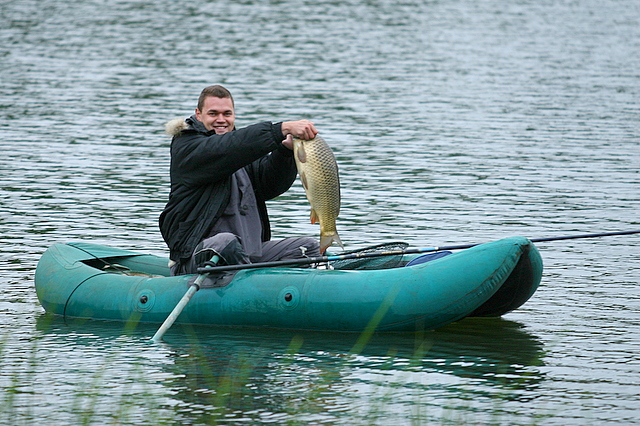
(220, 180)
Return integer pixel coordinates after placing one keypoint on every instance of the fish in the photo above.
(318, 172)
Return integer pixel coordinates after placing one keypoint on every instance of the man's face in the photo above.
(217, 114)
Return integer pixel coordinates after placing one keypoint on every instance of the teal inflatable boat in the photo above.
(82, 280)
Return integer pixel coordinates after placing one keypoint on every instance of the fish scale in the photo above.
(318, 171)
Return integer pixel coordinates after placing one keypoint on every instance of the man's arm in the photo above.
(201, 159)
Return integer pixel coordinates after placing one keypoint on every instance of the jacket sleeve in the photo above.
(273, 174)
(202, 159)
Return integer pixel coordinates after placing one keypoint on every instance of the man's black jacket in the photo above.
(201, 167)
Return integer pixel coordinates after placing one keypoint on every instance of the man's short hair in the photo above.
(216, 91)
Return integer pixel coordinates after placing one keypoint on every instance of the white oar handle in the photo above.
(173, 316)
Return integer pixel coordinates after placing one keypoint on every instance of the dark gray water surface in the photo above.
(453, 122)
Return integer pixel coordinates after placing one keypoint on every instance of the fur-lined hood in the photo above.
(175, 126)
(179, 125)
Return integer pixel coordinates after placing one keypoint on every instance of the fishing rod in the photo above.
(575, 237)
(333, 258)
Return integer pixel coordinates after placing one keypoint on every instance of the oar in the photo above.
(324, 259)
(173, 316)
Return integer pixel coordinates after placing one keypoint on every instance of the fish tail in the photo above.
(328, 239)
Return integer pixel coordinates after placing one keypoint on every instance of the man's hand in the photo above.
(301, 129)
(288, 142)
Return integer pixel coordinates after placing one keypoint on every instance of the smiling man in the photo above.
(221, 178)
(216, 114)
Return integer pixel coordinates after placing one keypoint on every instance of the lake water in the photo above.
(453, 122)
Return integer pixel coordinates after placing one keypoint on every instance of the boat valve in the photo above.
(289, 297)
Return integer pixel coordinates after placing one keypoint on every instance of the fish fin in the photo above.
(303, 179)
(314, 217)
(327, 240)
(301, 153)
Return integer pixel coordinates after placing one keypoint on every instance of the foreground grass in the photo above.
(195, 383)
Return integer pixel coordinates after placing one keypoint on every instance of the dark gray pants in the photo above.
(229, 248)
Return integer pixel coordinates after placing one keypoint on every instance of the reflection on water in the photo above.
(209, 374)
(453, 122)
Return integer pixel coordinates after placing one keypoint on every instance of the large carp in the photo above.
(319, 175)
